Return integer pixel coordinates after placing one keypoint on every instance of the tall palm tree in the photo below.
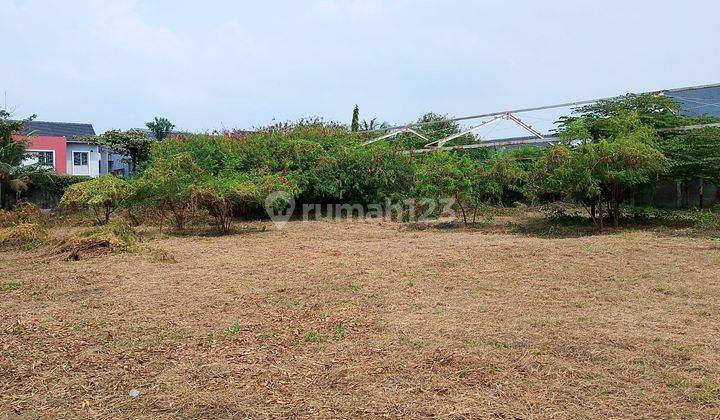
(14, 177)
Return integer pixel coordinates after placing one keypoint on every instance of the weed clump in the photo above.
(22, 213)
(23, 227)
(114, 237)
(25, 236)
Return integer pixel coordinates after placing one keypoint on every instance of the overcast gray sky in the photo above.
(213, 64)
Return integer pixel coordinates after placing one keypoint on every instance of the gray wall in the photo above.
(665, 195)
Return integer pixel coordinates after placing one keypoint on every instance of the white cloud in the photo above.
(348, 8)
(117, 25)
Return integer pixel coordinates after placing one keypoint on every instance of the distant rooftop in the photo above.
(59, 129)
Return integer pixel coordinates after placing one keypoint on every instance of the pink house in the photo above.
(63, 147)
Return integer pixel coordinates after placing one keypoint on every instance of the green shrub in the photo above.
(450, 175)
(48, 187)
(707, 220)
(221, 196)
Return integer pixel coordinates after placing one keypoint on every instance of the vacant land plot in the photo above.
(331, 319)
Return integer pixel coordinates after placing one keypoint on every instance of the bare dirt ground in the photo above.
(333, 319)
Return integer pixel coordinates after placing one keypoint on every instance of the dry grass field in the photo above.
(337, 319)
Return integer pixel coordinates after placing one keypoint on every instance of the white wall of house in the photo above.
(84, 159)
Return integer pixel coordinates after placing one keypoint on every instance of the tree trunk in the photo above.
(162, 221)
(616, 206)
(600, 215)
(702, 192)
(678, 194)
(462, 210)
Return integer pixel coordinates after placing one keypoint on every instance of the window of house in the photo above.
(80, 158)
(46, 158)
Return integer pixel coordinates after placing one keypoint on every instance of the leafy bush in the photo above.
(47, 188)
(223, 195)
(231, 176)
(707, 220)
(168, 184)
(467, 181)
(103, 195)
(222, 177)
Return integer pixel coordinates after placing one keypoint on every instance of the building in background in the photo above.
(62, 147)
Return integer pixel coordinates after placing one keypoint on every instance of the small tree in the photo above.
(355, 124)
(168, 186)
(222, 196)
(601, 119)
(467, 181)
(103, 195)
(160, 127)
(598, 173)
(134, 144)
(510, 177)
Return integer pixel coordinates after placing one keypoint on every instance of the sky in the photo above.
(242, 64)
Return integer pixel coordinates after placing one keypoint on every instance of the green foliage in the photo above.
(230, 176)
(602, 119)
(603, 171)
(160, 127)
(168, 183)
(509, 174)
(9, 286)
(373, 124)
(434, 127)
(49, 187)
(693, 154)
(221, 196)
(469, 182)
(103, 195)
